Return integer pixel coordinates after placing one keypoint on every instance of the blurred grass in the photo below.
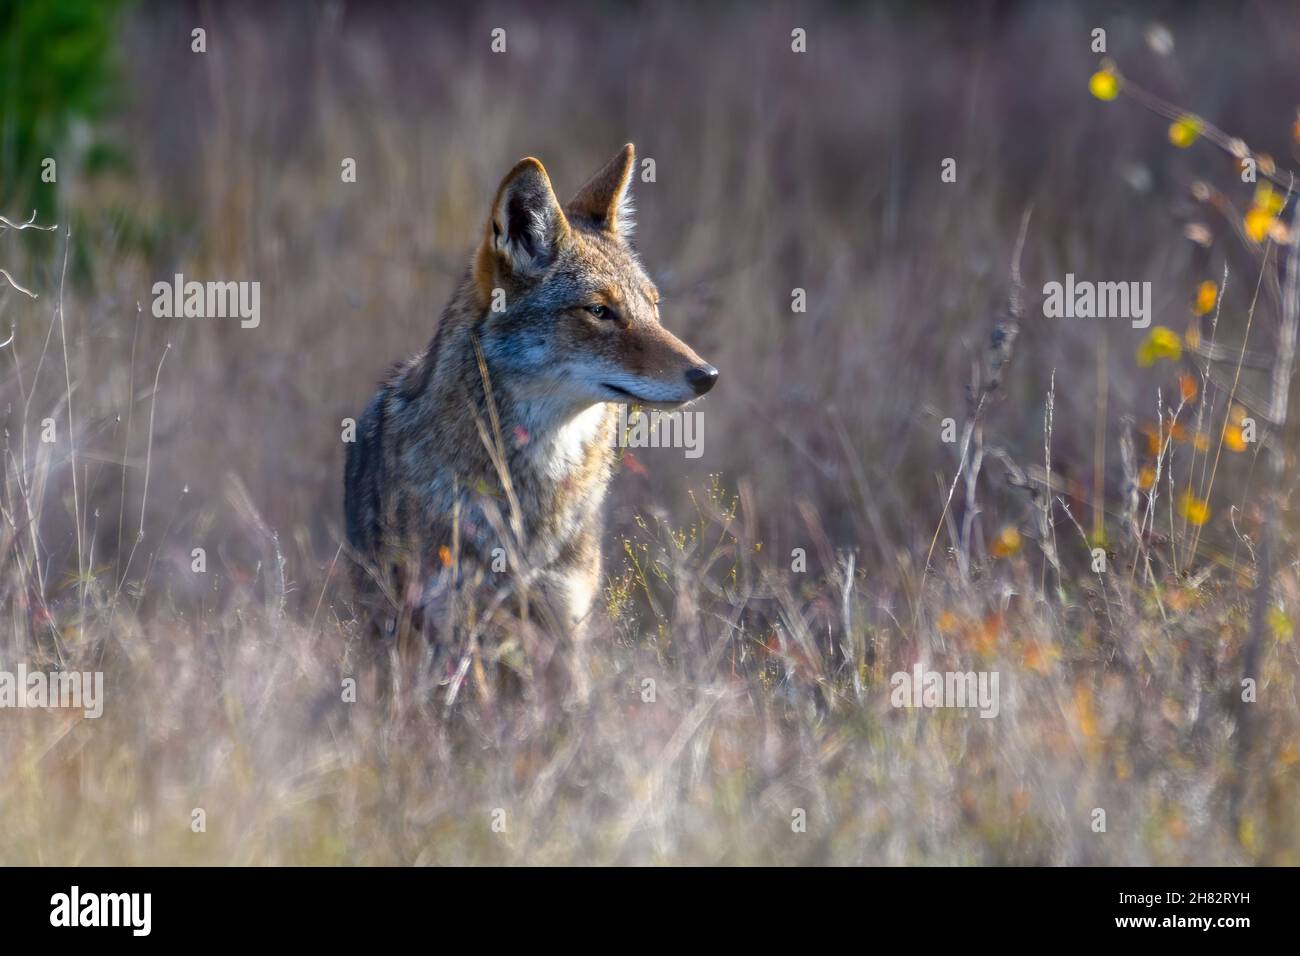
(774, 171)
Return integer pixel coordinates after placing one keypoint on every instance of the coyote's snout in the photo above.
(485, 458)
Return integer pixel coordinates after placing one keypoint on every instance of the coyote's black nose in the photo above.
(702, 379)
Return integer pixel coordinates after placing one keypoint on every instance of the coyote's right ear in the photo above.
(526, 226)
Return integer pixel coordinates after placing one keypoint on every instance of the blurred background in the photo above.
(775, 170)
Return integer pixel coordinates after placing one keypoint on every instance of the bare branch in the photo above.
(29, 224)
(10, 279)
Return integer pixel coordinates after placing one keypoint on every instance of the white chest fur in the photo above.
(560, 450)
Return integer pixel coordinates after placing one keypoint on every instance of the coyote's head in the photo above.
(570, 314)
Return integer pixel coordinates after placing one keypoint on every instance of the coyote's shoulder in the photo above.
(485, 458)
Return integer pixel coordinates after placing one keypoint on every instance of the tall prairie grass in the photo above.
(775, 171)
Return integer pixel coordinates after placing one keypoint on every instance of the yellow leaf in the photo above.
(1279, 623)
(1257, 223)
(1268, 199)
(1160, 343)
(1188, 386)
(1196, 511)
(1039, 657)
(1185, 131)
(1006, 543)
(1104, 85)
(1247, 835)
(1087, 720)
(1146, 477)
(1207, 293)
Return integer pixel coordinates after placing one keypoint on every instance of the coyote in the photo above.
(484, 459)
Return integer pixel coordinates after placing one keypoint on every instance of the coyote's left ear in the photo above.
(606, 200)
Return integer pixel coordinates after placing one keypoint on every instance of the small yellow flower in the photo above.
(1104, 85)
(1257, 223)
(1006, 543)
(1185, 131)
(1160, 343)
(1146, 477)
(1207, 293)
(1188, 386)
(1195, 510)
(1233, 438)
(1261, 219)
(1268, 199)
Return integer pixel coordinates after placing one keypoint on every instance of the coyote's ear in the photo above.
(527, 225)
(606, 200)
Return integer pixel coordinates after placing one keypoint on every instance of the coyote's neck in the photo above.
(552, 449)
(558, 445)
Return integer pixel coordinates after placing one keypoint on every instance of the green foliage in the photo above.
(56, 67)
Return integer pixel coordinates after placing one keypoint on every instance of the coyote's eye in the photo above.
(600, 311)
